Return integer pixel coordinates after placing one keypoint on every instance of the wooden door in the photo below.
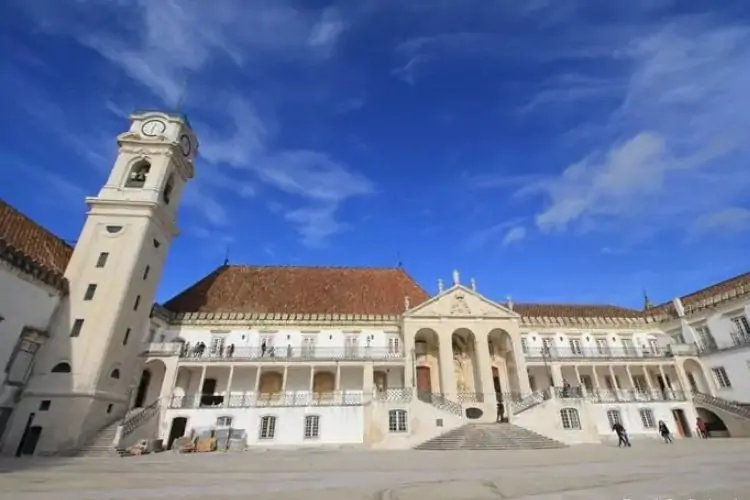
(424, 380)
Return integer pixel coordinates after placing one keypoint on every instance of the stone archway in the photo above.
(466, 365)
(503, 359)
(427, 362)
(150, 383)
(696, 377)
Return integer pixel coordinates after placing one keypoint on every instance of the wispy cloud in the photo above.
(514, 235)
(170, 46)
(678, 155)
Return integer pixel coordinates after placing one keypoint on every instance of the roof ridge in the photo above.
(295, 266)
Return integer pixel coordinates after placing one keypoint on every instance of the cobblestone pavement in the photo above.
(690, 469)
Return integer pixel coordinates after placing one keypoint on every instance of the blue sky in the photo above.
(555, 151)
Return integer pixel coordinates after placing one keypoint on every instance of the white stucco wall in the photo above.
(338, 424)
(25, 302)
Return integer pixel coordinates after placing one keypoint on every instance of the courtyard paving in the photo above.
(690, 469)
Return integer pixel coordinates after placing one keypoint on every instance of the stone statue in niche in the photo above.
(460, 359)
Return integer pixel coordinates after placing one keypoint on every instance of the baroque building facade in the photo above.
(304, 356)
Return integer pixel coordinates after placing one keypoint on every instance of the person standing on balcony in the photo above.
(622, 435)
(664, 432)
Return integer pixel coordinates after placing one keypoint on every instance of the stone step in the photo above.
(490, 437)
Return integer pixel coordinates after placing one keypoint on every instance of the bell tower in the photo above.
(88, 367)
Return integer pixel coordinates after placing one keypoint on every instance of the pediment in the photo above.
(463, 302)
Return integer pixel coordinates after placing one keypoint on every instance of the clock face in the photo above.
(185, 145)
(153, 127)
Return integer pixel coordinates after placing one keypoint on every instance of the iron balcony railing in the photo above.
(738, 340)
(253, 399)
(620, 395)
(271, 354)
(563, 353)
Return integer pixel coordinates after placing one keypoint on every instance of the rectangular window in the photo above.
(653, 346)
(705, 336)
(613, 417)
(102, 260)
(602, 349)
(137, 303)
(640, 383)
(647, 418)
(351, 347)
(524, 345)
(308, 347)
(90, 291)
(267, 427)
(547, 347)
(720, 374)
(587, 382)
(628, 347)
(44, 405)
(145, 272)
(224, 422)
(312, 426)
(217, 344)
(77, 326)
(126, 337)
(575, 347)
(397, 421)
(394, 346)
(19, 364)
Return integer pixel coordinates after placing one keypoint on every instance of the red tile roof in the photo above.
(695, 298)
(301, 290)
(29, 246)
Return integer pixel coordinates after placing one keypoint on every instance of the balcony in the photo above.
(738, 340)
(620, 395)
(291, 354)
(594, 354)
(252, 399)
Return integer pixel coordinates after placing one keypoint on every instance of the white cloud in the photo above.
(682, 112)
(327, 30)
(515, 235)
(728, 220)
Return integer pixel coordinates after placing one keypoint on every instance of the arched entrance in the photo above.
(150, 383)
(696, 377)
(140, 397)
(466, 366)
(504, 362)
(715, 426)
(427, 360)
(681, 422)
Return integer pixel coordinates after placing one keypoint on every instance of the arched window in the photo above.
(397, 421)
(138, 175)
(613, 416)
(115, 373)
(267, 427)
(570, 419)
(647, 418)
(61, 367)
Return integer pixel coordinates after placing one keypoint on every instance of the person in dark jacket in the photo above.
(622, 435)
(664, 432)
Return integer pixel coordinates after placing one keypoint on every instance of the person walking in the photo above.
(622, 435)
(664, 432)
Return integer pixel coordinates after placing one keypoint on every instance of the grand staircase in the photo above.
(490, 437)
(735, 408)
(99, 445)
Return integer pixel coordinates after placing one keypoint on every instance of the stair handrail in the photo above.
(131, 423)
(440, 402)
(724, 404)
(530, 401)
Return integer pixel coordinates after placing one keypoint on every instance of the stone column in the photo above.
(284, 377)
(667, 389)
(229, 385)
(556, 371)
(484, 367)
(170, 379)
(338, 377)
(409, 355)
(522, 373)
(257, 379)
(614, 382)
(312, 379)
(368, 381)
(447, 375)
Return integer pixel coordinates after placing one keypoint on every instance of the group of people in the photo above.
(199, 349)
(664, 432)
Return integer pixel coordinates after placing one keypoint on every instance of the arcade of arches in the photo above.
(467, 366)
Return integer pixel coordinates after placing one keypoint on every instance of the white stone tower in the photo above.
(113, 275)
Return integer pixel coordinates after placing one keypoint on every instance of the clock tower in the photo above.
(87, 369)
